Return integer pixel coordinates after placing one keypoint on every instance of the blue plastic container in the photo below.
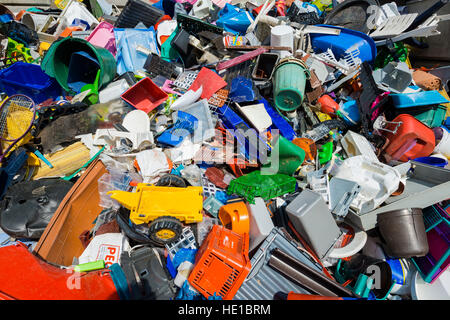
(30, 80)
(434, 161)
(348, 39)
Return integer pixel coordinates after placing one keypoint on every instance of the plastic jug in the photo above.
(408, 138)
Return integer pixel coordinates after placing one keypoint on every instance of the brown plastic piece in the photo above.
(77, 212)
(426, 80)
(215, 175)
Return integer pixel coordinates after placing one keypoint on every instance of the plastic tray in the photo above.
(144, 95)
(30, 80)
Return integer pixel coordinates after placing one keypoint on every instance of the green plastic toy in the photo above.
(326, 152)
(256, 184)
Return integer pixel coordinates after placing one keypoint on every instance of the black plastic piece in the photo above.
(351, 14)
(136, 11)
(157, 66)
(308, 18)
(14, 163)
(21, 33)
(368, 95)
(181, 42)
(28, 207)
(146, 276)
(194, 25)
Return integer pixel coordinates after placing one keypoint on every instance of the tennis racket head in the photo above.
(17, 116)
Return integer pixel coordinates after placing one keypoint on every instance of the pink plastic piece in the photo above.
(166, 87)
(220, 3)
(103, 36)
(240, 59)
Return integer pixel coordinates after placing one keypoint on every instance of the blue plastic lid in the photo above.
(434, 161)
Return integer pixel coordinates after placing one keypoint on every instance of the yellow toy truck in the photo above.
(165, 208)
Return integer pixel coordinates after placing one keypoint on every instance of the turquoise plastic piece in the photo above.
(416, 99)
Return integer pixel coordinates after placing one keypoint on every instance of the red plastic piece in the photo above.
(145, 95)
(221, 263)
(210, 81)
(412, 140)
(299, 296)
(240, 59)
(281, 8)
(328, 105)
(24, 276)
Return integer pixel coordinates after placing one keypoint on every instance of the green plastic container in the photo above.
(289, 81)
(255, 184)
(433, 117)
(56, 61)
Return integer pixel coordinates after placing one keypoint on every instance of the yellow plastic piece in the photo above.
(33, 160)
(150, 202)
(323, 116)
(165, 234)
(64, 162)
(43, 46)
(447, 105)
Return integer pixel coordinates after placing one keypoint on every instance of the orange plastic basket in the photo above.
(222, 263)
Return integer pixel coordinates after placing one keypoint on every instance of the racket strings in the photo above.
(16, 118)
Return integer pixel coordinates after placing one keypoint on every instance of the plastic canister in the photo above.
(438, 290)
(328, 105)
(408, 140)
(289, 81)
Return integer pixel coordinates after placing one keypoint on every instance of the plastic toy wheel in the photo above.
(164, 230)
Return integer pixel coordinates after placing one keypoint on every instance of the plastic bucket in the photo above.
(57, 60)
(82, 70)
(403, 232)
(289, 82)
(434, 161)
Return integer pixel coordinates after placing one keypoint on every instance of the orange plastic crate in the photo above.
(221, 264)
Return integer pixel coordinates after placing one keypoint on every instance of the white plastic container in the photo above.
(260, 222)
(282, 36)
(355, 144)
(113, 91)
(377, 180)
